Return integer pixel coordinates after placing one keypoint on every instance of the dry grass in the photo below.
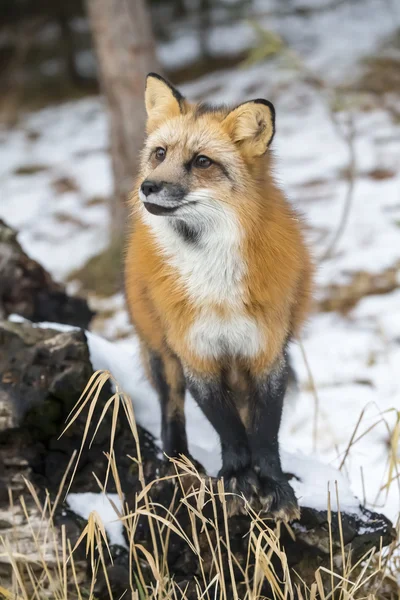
(55, 571)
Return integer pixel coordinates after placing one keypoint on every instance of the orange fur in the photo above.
(277, 274)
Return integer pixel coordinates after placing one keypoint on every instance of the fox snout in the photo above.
(161, 197)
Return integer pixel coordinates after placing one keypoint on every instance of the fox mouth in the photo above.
(159, 209)
(163, 209)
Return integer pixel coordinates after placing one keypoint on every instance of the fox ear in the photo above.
(252, 126)
(162, 101)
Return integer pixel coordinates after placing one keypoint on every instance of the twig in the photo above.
(349, 139)
(315, 395)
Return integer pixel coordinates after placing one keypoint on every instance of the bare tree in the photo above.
(126, 53)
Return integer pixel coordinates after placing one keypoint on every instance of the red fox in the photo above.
(218, 281)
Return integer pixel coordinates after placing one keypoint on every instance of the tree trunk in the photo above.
(126, 53)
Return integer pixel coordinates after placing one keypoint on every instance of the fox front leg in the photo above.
(266, 402)
(216, 401)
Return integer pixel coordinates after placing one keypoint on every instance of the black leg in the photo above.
(217, 403)
(266, 402)
(168, 379)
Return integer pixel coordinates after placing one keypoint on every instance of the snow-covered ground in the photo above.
(55, 177)
(124, 364)
(85, 503)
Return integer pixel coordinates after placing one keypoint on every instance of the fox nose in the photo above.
(151, 187)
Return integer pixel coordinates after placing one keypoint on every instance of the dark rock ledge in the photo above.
(27, 289)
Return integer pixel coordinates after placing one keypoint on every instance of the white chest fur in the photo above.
(212, 336)
(212, 271)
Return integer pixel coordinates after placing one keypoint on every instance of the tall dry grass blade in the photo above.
(353, 441)
(175, 528)
(196, 542)
(330, 542)
(134, 560)
(8, 595)
(165, 540)
(342, 549)
(116, 401)
(219, 565)
(313, 591)
(337, 576)
(353, 435)
(40, 546)
(394, 458)
(128, 409)
(35, 582)
(100, 382)
(214, 581)
(320, 584)
(151, 561)
(103, 490)
(64, 560)
(314, 393)
(16, 572)
(74, 577)
(92, 384)
(222, 498)
(101, 417)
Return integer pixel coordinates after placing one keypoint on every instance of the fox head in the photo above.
(199, 161)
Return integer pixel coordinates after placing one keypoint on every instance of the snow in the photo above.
(61, 327)
(67, 142)
(84, 503)
(317, 481)
(313, 477)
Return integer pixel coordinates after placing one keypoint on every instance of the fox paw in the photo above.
(240, 484)
(278, 499)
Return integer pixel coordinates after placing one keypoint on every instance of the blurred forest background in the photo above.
(52, 51)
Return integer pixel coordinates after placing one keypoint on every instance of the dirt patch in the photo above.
(382, 70)
(344, 297)
(102, 274)
(382, 75)
(205, 66)
(380, 173)
(62, 185)
(67, 218)
(96, 201)
(30, 169)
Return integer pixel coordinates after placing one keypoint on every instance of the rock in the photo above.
(42, 374)
(30, 539)
(28, 290)
(312, 548)
(118, 577)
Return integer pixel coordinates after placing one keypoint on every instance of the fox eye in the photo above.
(160, 154)
(202, 162)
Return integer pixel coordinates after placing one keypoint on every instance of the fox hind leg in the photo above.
(167, 377)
